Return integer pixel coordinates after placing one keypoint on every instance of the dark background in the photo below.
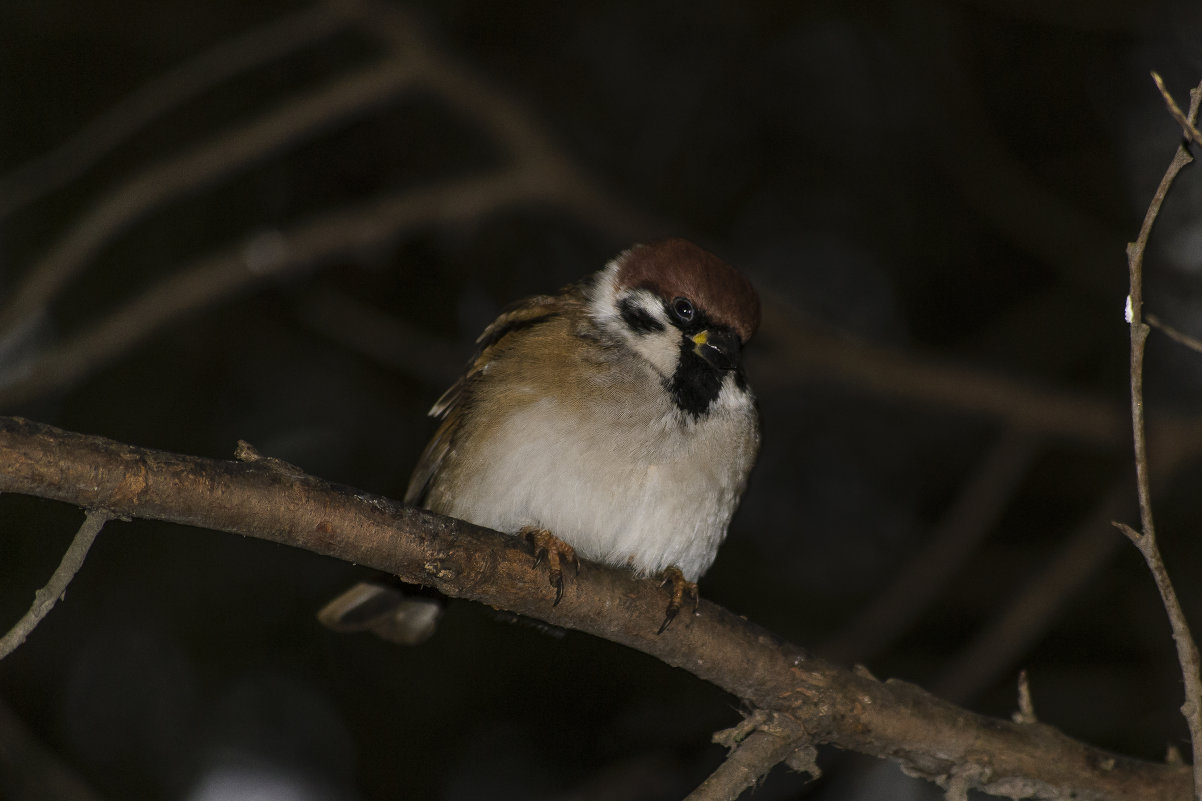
(933, 198)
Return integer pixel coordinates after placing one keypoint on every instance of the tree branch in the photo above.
(929, 737)
(1180, 337)
(243, 52)
(45, 598)
(1186, 121)
(534, 171)
(758, 744)
(1145, 539)
(199, 166)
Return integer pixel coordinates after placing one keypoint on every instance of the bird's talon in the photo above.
(555, 551)
(680, 586)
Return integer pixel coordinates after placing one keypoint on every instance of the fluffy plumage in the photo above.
(613, 414)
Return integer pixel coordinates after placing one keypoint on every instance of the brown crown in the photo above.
(676, 268)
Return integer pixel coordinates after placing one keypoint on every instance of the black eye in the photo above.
(683, 309)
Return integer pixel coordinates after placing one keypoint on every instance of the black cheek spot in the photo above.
(637, 318)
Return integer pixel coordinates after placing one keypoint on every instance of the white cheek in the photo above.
(660, 348)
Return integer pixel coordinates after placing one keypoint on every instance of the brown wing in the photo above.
(454, 403)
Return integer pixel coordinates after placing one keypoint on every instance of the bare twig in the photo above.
(1026, 707)
(244, 52)
(1172, 333)
(895, 720)
(757, 745)
(1145, 538)
(1185, 121)
(45, 598)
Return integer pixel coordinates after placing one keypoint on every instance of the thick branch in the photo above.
(894, 720)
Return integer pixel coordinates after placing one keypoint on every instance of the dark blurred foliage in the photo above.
(951, 181)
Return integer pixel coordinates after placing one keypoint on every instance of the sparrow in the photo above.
(611, 421)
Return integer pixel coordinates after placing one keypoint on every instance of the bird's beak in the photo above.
(720, 348)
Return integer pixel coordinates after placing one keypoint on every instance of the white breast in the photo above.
(635, 483)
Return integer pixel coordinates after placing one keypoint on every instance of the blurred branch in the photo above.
(45, 598)
(535, 171)
(222, 155)
(385, 338)
(894, 373)
(261, 258)
(41, 176)
(1145, 538)
(918, 583)
(930, 738)
(529, 144)
(1036, 604)
(1180, 337)
(1002, 188)
(29, 771)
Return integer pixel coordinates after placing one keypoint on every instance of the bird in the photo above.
(611, 421)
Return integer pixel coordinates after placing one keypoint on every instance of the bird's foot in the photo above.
(680, 586)
(555, 551)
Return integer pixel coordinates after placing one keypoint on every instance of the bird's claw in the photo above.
(555, 551)
(680, 585)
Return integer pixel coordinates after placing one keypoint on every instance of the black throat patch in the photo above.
(696, 383)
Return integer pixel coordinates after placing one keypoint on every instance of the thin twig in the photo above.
(1185, 121)
(1145, 538)
(1026, 707)
(45, 598)
(757, 745)
(1172, 333)
(41, 176)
